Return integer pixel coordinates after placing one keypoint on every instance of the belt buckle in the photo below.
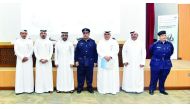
(163, 58)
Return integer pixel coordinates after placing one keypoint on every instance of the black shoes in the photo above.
(50, 92)
(164, 92)
(24, 93)
(18, 93)
(58, 91)
(79, 91)
(90, 90)
(151, 92)
(72, 91)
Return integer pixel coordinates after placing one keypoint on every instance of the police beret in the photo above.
(161, 32)
(86, 30)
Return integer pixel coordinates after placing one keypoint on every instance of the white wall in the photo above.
(10, 22)
(117, 16)
(133, 17)
(72, 16)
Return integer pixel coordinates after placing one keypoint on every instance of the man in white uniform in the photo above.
(43, 49)
(134, 56)
(23, 48)
(64, 61)
(108, 67)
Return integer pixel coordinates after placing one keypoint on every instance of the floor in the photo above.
(175, 96)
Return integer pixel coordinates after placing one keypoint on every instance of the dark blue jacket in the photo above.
(86, 52)
(161, 53)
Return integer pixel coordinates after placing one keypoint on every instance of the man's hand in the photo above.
(77, 63)
(56, 65)
(141, 66)
(107, 58)
(46, 61)
(25, 59)
(43, 61)
(71, 65)
(126, 64)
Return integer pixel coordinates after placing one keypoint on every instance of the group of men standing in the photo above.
(86, 55)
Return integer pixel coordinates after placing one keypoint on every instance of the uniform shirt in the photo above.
(86, 53)
(161, 53)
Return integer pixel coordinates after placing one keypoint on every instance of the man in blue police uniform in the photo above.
(160, 64)
(85, 60)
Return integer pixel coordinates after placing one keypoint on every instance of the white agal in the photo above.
(64, 58)
(133, 53)
(108, 76)
(24, 70)
(43, 49)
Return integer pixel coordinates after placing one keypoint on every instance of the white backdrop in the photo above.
(10, 21)
(133, 17)
(72, 16)
(117, 16)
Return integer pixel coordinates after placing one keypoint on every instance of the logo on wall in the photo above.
(169, 23)
(170, 37)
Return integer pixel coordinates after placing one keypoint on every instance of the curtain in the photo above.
(150, 21)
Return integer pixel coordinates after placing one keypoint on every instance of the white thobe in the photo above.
(24, 81)
(43, 49)
(134, 54)
(64, 57)
(108, 78)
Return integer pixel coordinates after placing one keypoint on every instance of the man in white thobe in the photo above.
(43, 49)
(108, 67)
(23, 48)
(64, 61)
(134, 55)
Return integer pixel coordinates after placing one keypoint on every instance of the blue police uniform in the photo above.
(160, 64)
(86, 55)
